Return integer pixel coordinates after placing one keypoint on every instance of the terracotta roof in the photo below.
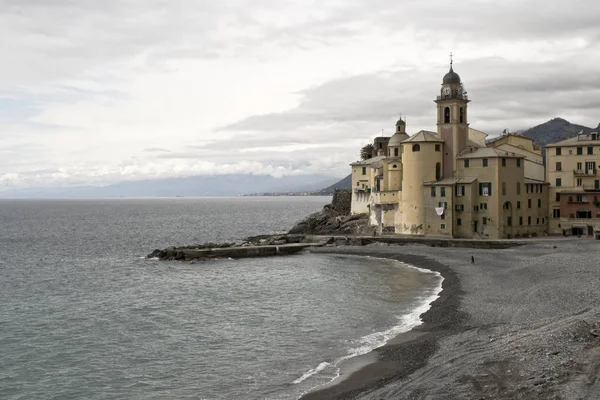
(487, 152)
(575, 141)
(451, 181)
(424, 136)
(368, 161)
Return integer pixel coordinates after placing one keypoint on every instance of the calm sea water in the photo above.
(84, 315)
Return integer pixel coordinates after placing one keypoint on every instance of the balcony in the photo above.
(363, 190)
(584, 172)
(591, 188)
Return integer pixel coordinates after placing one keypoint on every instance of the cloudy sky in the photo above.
(94, 92)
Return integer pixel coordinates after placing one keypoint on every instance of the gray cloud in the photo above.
(522, 63)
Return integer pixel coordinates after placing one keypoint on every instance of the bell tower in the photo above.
(452, 123)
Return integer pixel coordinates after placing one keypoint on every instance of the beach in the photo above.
(520, 323)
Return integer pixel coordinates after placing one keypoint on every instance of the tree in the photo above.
(366, 152)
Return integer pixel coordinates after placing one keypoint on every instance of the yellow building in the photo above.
(452, 182)
(574, 195)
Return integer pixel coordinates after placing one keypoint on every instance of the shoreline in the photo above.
(372, 370)
(521, 323)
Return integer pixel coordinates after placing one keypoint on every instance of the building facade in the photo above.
(574, 196)
(452, 182)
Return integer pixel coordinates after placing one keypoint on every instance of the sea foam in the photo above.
(375, 340)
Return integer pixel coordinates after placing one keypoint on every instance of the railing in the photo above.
(581, 172)
(450, 97)
(591, 188)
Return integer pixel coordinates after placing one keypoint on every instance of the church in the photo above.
(453, 182)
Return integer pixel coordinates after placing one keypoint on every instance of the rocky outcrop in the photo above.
(335, 218)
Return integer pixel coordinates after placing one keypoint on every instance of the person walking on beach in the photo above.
(472, 260)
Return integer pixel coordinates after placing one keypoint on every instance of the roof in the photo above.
(424, 136)
(488, 152)
(451, 76)
(575, 141)
(397, 139)
(451, 181)
(368, 161)
(535, 181)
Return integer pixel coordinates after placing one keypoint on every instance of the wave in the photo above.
(313, 371)
(372, 341)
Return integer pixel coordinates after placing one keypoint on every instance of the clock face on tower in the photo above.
(446, 91)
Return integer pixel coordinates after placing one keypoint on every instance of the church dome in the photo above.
(400, 122)
(397, 139)
(451, 77)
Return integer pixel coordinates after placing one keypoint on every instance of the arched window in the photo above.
(416, 148)
(438, 171)
(389, 152)
(396, 152)
(462, 115)
(447, 115)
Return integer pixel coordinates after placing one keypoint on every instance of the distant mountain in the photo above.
(345, 183)
(555, 130)
(216, 185)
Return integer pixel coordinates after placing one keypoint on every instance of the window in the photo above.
(459, 190)
(590, 150)
(503, 188)
(518, 205)
(438, 147)
(416, 147)
(466, 163)
(438, 171)
(558, 151)
(557, 198)
(475, 208)
(364, 170)
(559, 166)
(528, 220)
(543, 220)
(459, 207)
(462, 115)
(357, 183)
(520, 220)
(394, 166)
(579, 182)
(447, 115)
(504, 162)
(537, 220)
(485, 189)
(396, 152)
(433, 191)
(483, 206)
(484, 162)
(528, 203)
(484, 221)
(458, 222)
(443, 204)
(597, 184)
(509, 221)
(518, 188)
(381, 145)
(570, 199)
(558, 182)
(539, 203)
(579, 166)
(443, 226)
(590, 167)
(579, 151)
(443, 191)
(518, 163)
(556, 213)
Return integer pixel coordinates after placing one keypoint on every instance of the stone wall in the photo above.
(342, 201)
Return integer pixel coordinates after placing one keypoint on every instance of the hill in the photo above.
(345, 183)
(555, 130)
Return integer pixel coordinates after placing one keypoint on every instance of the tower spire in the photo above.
(451, 62)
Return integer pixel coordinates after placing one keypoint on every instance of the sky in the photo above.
(96, 92)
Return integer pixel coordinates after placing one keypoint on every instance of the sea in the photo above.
(85, 315)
